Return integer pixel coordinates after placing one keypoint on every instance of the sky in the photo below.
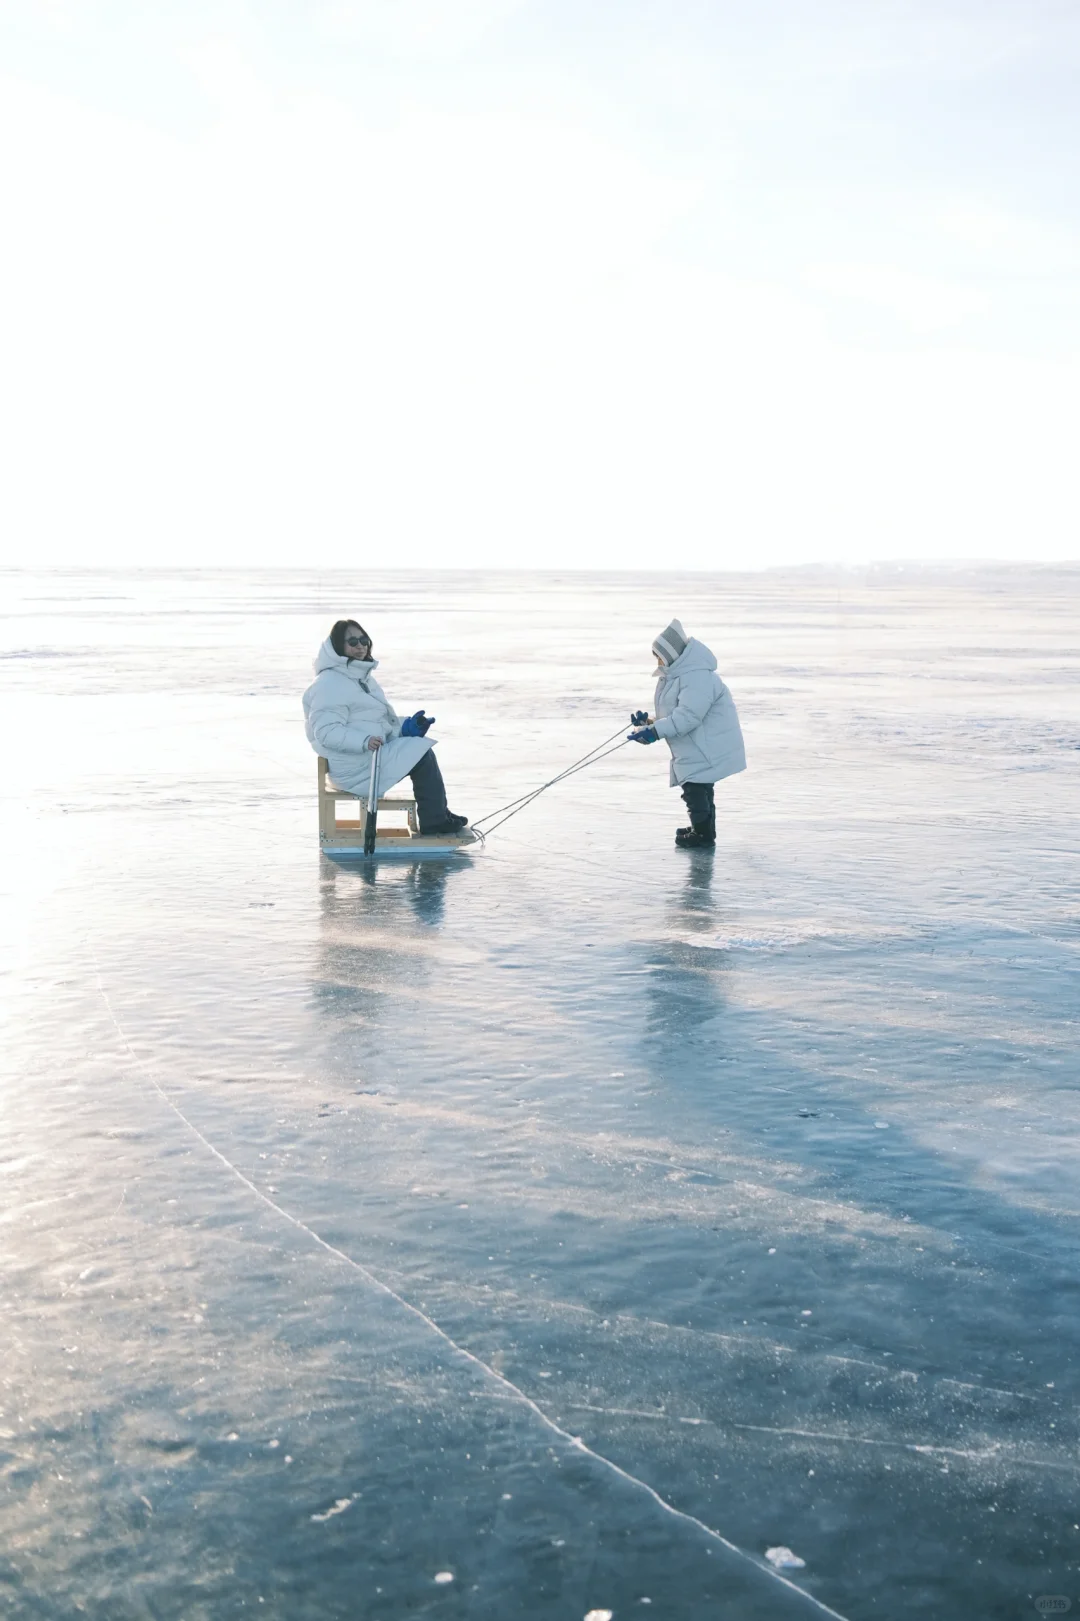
(703, 284)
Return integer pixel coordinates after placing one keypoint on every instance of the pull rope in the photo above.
(599, 752)
(571, 771)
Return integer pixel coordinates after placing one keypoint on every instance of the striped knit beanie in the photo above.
(670, 643)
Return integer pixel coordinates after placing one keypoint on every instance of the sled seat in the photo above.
(342, 831)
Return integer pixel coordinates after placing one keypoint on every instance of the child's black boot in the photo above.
(702, 836)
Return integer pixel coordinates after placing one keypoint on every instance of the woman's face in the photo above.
(357, 645)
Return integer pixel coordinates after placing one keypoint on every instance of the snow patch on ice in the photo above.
(783, 1559)
(339, 1508)
(796, 934)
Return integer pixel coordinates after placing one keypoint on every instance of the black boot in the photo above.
(702, 836)
(450, 824)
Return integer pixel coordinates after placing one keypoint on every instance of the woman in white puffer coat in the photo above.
(347, 715)
(696, 714)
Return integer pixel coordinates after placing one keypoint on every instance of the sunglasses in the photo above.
(358, 641)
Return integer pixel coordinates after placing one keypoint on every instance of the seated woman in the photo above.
(347, 714)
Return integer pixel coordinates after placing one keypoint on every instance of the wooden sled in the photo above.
(341, 825)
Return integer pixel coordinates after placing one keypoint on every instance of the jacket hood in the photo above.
(696, 656)
(327, 659)
(671, 642)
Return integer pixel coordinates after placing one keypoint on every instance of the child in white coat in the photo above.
(696, 715)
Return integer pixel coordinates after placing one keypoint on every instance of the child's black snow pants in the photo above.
(701, 804)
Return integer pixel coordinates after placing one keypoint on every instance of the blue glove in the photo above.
(639, 718)
(417, 725)
(647, 734)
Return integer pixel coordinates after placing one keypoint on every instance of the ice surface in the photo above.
(529, 1219)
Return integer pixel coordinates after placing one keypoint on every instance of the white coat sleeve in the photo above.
(697, 694)
(332, 731)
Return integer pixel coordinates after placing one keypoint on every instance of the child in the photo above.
(695, 714)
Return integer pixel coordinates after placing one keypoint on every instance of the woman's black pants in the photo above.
(429, 792)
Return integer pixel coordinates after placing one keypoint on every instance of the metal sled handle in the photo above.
(372, 806)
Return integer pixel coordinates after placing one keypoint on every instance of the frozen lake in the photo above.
(559, 1229)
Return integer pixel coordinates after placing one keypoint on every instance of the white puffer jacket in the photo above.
(696, 713)
(343, 708)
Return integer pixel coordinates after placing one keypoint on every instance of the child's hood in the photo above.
(695, 656)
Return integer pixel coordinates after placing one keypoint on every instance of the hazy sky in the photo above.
(714, 283)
